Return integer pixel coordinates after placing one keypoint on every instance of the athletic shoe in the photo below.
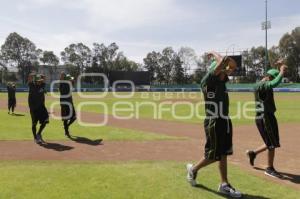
(251, 155)
(39, 139)
(270, 171)
(228, 190)
(67, 133)
(191, 176)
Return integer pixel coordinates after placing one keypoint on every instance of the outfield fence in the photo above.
(285, 87)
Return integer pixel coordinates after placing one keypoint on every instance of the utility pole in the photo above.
(265, 26)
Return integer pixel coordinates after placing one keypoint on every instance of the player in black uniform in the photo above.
(12, 102)
(68, 113)
(266, 121)
(36, 101)
(217, 125)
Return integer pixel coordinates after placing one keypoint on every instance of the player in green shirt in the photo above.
(217, 124)
(266, 121)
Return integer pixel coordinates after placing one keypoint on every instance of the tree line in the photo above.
(166, 67)
(288, 48)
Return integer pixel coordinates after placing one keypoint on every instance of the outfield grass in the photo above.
(288, 105)
(19, 128)
(141, 180)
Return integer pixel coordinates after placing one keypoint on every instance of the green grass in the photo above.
(288, 105)
(19, 128)
(69, 180)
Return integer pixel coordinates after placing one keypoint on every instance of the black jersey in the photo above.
(215, 95)
(11, 92)
(36, 97)
(65, 92)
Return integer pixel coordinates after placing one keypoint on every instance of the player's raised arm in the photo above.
(230, 68)
(30, 78)
(221, 63)
(216, 65)
(278, 79)
(43, 78)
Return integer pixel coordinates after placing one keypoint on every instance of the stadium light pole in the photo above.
(265, 26)
(228, 48)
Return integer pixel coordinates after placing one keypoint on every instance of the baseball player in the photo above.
(266, 121)
(12, 102)
(36, 101)
(68, 113)
(217, 125)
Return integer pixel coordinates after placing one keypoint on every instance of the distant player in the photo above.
(36, 101)
(68, 113)
(266, 121)
(217, 125)
(12, 102)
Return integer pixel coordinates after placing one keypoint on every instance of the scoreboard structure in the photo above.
(240, 70)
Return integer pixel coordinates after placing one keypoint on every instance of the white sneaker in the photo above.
(227, 189)
(191, 177)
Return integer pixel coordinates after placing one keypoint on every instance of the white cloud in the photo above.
(115, 14)
(117, 20)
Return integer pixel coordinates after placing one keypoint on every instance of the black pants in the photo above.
(218, 133)
(39, 114)
(68, 111)
(268, 129)
(12, 102)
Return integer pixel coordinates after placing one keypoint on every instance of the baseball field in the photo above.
(141, 149)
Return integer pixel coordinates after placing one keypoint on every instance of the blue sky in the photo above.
(140, 26)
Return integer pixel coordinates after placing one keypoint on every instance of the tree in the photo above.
(121, 63)
(104, 57)
(77, 55)
(254, 61)
(274, 54)
(189, 60)
(152, 64)
(178, 75)
(3, 70)
(202, 64)
(21, 52)
(51, 60)
(289, 46)
(167, 65)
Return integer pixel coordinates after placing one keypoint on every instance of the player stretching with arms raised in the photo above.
(67, 108)
(266, 121)
(217, 125)
(36, 101)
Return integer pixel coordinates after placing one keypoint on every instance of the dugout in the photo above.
(124, 80)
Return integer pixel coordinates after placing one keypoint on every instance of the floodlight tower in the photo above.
(265, 26)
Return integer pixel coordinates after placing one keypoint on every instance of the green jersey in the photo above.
(264, 96)
(215, 94)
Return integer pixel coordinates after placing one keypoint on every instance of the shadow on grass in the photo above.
(83, 140)
(294, 178)
(245, 196)
(18, 115)
(56, 147)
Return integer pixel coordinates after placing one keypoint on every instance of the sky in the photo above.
(142, 26)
